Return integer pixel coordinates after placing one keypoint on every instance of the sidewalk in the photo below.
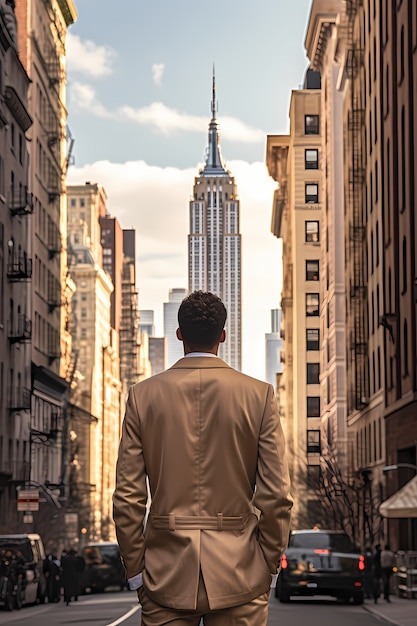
(400, 611)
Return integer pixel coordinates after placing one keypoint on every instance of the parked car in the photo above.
(103, 567)
(22, 579)
(321, 562)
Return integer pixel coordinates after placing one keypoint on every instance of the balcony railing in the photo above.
(19, 267)
(19, 399)
(20, 329)
(54, 294)
(54, 240)
(54, 351)
(20, 201)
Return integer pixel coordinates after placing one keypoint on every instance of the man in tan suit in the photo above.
(209, 441)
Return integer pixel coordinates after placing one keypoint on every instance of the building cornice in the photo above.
(323, 15)
(68, 10)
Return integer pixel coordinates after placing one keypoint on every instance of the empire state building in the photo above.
(214, 242)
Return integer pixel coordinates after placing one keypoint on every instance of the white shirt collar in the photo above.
(200, 354)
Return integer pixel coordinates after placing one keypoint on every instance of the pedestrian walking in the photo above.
(209, 441)
(368, 577)
(52, 572)
(387, 567)
(69, 576)
(377, 573)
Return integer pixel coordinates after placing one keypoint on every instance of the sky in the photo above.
(139, 80)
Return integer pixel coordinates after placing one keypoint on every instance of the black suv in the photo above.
(103, 567)
(321, 562)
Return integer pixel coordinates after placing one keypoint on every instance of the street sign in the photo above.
(28, 500)
(71, 518)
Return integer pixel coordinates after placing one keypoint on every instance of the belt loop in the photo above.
(219, 521)
(172, 521)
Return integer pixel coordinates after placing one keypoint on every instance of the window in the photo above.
(311, 159)
(311, 124)
(313, 476)
(313, 406)
(82, 202)
(312, 232)
(312, 270)
(312, 304)
(313, 339)
(313, 373)
(311, 193)
(73, 203)
(313, 442)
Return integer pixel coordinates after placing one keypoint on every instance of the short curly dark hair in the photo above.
(201, 318)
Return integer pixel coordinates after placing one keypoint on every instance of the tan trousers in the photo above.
(250, 614)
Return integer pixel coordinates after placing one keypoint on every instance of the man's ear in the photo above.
(222, 337)
(179, 335)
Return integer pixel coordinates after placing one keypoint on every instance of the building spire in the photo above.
(214, 162)
(213, 102)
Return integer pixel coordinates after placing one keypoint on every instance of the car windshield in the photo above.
(322, 541)
(15, 545)
(102, 554)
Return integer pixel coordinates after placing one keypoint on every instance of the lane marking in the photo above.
(125, 616)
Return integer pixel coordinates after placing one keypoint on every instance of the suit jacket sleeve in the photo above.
(272, 494)
(130, 496)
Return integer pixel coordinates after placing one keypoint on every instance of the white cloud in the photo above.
(83, 98)
(162, 118)
(157, 73)
(86, 57)
(154, 201)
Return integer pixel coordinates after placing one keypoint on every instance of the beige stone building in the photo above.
(96, 394)
(294, 162)
(367, 58)
(325, 48)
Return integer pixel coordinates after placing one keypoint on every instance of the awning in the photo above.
(403, 503)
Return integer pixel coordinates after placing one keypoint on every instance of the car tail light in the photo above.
(323, 551)
(361, 563)
(284, 562)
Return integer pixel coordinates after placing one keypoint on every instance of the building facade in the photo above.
(16, 208)
(129, 327)
(174, 348)
(36, 255)
(323, 44)
(293, 161)
(273, 347)
(214, 242)
(366, 55)
(96, 392)
(396, 163)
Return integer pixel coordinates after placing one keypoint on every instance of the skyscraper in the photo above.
(175, 349)
(273, 347)
(214, 242)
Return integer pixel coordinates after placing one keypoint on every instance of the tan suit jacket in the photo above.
(210, 442)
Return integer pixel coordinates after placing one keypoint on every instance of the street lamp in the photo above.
(389, 468)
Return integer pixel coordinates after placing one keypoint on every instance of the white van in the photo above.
(22, 579)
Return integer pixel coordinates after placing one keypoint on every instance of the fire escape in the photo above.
(20, 201)
(357, 227)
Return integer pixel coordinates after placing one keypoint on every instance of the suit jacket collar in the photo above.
(199, 362)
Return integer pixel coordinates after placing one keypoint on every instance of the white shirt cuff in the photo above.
(135, 582)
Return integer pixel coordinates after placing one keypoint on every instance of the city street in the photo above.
(112, 609)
